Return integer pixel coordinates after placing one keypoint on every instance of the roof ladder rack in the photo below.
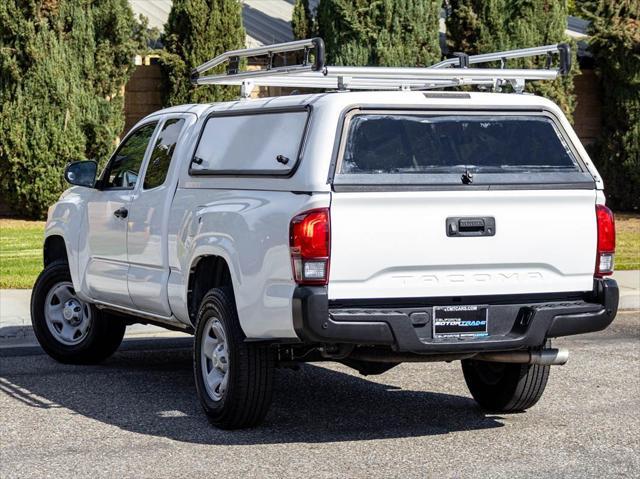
(314, 73)
(233, 57)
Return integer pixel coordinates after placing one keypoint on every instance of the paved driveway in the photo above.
(136, 416)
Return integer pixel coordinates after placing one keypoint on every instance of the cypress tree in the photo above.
(615, 46)
(485, 26)
(301, 20)
(196, 31)
(386, 32)
(63, 65)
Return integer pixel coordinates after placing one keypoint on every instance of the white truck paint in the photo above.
(546, 240)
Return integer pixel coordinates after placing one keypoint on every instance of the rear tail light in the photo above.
(309, 241)
(606, 241)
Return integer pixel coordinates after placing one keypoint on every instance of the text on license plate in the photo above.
(460, 321)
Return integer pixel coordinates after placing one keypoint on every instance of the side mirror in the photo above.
(81, 173)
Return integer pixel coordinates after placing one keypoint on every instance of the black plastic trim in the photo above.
(464, 227)
(313, 323)
(368, 187)
(565, 59)
(499, 299)
(320, 53)
(450, 181)
(516, 321)
(607, 294)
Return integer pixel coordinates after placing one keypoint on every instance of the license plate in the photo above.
(461, 321)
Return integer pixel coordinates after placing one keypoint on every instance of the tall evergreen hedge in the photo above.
(196, 31)
(387, 33)
(63, 66)
(302, 20)
(484, 26)
(615, 45)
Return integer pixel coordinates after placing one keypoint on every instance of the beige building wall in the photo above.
(588, 114)
(142, 93)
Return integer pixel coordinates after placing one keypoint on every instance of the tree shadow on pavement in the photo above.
(152, 392)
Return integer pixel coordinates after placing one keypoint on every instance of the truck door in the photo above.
(148, 221)
(107, 213)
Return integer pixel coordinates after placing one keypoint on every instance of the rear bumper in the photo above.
(512, 325)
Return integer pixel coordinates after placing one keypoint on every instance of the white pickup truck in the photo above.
(369, 228)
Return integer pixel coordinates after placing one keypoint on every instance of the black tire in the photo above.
(104, 334)
(503, 387)
(250, 367)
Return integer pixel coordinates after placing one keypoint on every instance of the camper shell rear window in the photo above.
(387, 147)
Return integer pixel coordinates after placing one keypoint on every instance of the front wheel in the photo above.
(504, 387)
(68, 329)
(234, 378)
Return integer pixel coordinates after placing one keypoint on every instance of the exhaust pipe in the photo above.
(545, 357)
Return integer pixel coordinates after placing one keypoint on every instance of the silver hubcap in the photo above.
(214, 359)
(67, 318)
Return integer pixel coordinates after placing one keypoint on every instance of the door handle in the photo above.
(121, 212)
(471, 226)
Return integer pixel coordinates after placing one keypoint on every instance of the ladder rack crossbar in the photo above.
(428, 73)
(376, 75)
(238, 78)
(357, 83)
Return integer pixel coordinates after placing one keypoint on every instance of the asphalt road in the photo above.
(137, 416)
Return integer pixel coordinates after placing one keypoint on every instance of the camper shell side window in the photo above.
(261, 142)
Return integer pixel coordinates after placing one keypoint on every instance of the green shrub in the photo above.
(615, 46)
(196, 31)
(63, 65)
(398, 33)
(302, 20)
(485, 26)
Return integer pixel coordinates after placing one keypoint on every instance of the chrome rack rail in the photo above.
(314, 74)
(463, 60)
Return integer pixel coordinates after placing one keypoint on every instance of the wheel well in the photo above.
(206, 273)
(54, 250)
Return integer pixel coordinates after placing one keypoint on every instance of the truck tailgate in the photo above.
(395, 244)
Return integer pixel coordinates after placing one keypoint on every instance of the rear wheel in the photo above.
(234, 379)
(504, 387)
(69, 329)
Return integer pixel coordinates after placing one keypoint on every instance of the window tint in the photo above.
(450, 144)
(162, 153)
(124, 167)
(266, 143)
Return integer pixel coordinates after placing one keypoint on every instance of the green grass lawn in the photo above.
(627, 241)
(21, 249)
(20, 252)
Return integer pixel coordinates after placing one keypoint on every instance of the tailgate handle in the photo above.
(471, 226)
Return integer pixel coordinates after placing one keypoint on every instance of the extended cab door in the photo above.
(148, 219)
(107, 213)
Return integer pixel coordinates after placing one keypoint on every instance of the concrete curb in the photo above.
(22, 336)
(16, 332)
(629, 284)
(128, 344)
